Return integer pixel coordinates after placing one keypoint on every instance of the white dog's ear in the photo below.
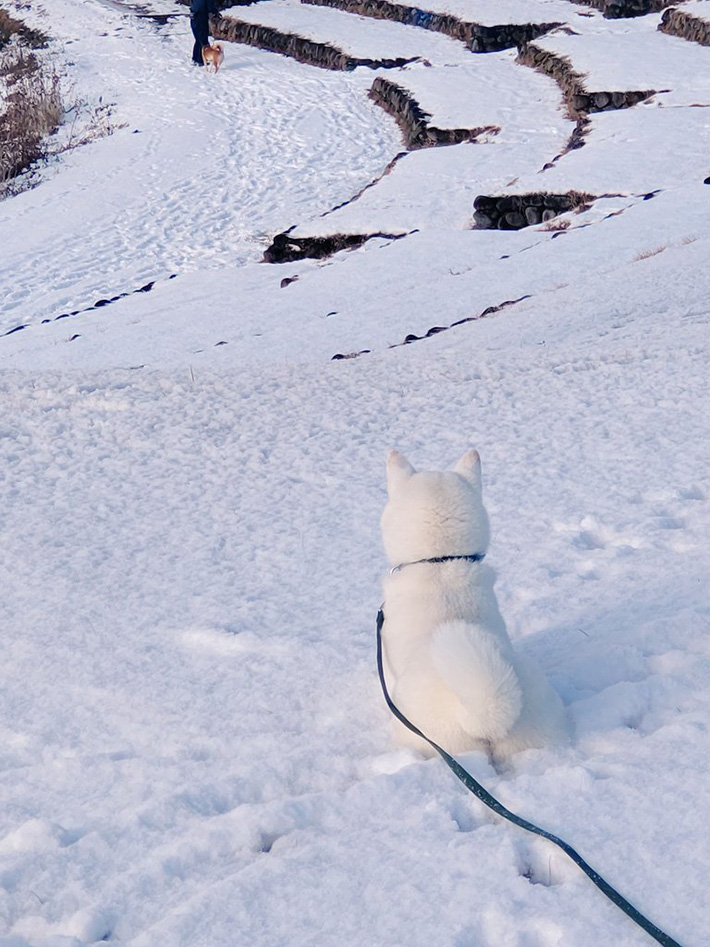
(399, 470)
(470, 467)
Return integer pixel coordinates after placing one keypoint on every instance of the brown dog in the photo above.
(213, 56)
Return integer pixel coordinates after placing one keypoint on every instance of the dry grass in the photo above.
(32, 111)
(555, 225)
(645, 254)
(580, 199)
(11, 27)
(32, 105)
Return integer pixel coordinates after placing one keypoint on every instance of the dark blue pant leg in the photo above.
(200, 23)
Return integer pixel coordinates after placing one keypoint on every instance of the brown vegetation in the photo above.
(646, 254)
(32, 109)
(10, 26)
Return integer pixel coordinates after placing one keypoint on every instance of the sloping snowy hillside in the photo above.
(194, 750)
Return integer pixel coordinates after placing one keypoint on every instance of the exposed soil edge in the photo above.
(435, 330)
(414, 121)
(287, 249)
(351, 200)
(99, 304)
(478, 38)
(322, 55)
(678, 23)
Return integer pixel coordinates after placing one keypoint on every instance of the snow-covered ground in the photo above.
(194, 749)
(697, 8)
(487, 90)
(182, 187)
(618, 55)
(358, 36)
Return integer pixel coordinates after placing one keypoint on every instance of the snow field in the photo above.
(205, 751)
(194, 750)
(489, 89)
(698, 8)
(345, 305)
(356, 35)
(436, 187)
(623, 153)
(157, 232)
(182, 185)
(614, 56)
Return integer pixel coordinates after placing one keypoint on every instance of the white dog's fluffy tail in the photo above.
(472, 664)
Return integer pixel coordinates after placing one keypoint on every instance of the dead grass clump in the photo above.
(10, 27)
(580, 198)
(32, 110)
(555, 225)
(645, 254)
(89, 123)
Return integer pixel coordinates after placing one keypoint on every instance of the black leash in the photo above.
(481, 793)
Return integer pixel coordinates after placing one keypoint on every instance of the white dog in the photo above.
(449, 664)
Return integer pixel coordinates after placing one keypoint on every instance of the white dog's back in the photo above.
(448, 660)
(470, 662)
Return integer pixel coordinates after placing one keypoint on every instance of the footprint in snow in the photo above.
(673, 515)
(598, 544)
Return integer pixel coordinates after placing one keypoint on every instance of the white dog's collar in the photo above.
(474, 557)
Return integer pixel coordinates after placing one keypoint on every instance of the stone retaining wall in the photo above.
(287, 249)
(322, 55)
(515, 211)
(579, 100)
(414, 122)
(678, 23)
(618, 9)
(478, 38)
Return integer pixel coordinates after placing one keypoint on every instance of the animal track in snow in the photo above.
(592, 539)
(665, 521)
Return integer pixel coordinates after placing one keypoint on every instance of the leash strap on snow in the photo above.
(482, 793)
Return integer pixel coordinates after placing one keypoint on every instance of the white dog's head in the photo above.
(434, 513)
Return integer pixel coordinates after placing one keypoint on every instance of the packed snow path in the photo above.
(201, 174)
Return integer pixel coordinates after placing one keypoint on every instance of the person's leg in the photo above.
(200, 30)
